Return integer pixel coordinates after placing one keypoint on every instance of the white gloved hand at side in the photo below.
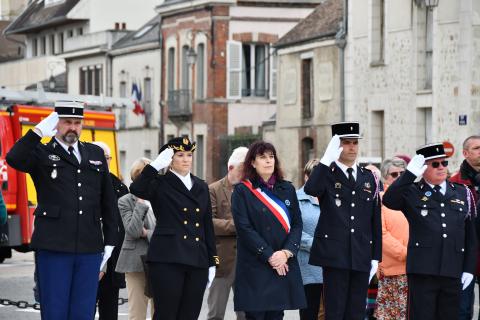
(107, 252)
(333, 151)
(211, 275)
(417, 165)
(163, 159)
(48, 126)
(466, 279)
(373, 270)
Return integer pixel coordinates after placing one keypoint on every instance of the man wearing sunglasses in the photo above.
(441, 253)
(469, 175)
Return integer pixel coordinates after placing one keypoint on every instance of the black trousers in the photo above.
(313, 293)
(345, 294)
(107, 299)
(433, 297)
(265, 315)
(177, 290)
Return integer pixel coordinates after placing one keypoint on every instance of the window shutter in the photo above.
(273, 74)
(234, 70)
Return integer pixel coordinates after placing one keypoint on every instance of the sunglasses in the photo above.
(396, 174)
(436, 164)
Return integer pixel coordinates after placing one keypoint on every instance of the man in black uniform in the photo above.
(74, 219)
(111, 281)
(348, 237)
(442, 243)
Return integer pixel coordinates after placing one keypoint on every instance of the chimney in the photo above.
(124, 26)
(117, 26)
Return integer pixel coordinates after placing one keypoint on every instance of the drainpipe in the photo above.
(341, 42)
(161, 102)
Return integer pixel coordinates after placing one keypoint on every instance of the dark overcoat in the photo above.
(349, 231)
(76, 209)
(258, 287)
(184, 230)
(442, 239)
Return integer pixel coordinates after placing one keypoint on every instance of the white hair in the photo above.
(238, 156)
(104, 146)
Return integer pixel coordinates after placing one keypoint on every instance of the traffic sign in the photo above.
(449, 149)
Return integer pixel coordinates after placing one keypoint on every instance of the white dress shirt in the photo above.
(76, 152)
(344, 169)
(187, 180)
(443, 186)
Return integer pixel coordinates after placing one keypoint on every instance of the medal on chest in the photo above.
(424, 212)
(54, 174)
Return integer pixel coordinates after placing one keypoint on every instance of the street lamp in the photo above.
(429, 4)
(52, 83)
(191, 56)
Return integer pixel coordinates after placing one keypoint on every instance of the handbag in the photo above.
(148, 290)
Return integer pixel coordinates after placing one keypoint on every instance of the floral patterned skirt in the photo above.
(392, 298)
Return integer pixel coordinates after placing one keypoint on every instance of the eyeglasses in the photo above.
(396, 174)
(436, 164)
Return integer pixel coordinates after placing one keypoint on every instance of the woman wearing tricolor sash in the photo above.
(269, 228)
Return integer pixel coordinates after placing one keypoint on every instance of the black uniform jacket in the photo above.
(75, 201)
(184, 231)
(258, 287)
(442, 239)
(349, 231)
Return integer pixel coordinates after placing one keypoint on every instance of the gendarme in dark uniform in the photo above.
(182, 248)
(74, 218)
(348, 236)
(442, 244)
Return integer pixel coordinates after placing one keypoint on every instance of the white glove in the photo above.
(373, 270)
(211, 275)
(417, 165)
(107, 252)
(48, 126)
(163, 159)
(333, 151)
(466, 279)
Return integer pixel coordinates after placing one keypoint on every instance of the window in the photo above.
(171, 70)
(200, 72)
(254, 70)
(185, 66)
(425, 49)
(91, 80)
(147, 100)
(52, 44)
(147, 153)
(307, 152)
(378, 30)
(377, 135)
(199, 157)
(35, 47)
(122, 117)
(307, 94)
(60, 42)
(248, 70)
(43, 46)
(80, 31)
(70, 33)
(424, 126)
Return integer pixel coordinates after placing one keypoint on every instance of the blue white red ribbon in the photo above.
(274, 204)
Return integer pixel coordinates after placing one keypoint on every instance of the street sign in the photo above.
(462, 120)
(449, 149)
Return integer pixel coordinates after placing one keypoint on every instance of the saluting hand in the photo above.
(333, 151)
(48, 126)
(163, 159)
(417, 165)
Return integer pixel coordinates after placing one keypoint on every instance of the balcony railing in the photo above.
(179, 104)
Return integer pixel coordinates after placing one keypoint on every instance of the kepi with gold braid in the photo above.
(179, 144)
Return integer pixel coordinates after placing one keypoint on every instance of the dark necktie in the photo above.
(72, 155)
(351, 179)
(437, 189)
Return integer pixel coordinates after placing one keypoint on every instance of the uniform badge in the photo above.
(424, 213)
(287, 203)
(424, 199)
(54, 157)
(367, 185)
(96, 163)
(428, 193)
(338, 185)
(54, 145)
(54, 174)
(338, 202)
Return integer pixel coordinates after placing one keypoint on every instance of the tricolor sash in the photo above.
(273, 203)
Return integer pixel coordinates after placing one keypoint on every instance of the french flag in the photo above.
(136, 98)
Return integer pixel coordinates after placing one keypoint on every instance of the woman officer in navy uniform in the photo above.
(181, 256)
(269, 228)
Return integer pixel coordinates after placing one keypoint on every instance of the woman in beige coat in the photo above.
(139, 222)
